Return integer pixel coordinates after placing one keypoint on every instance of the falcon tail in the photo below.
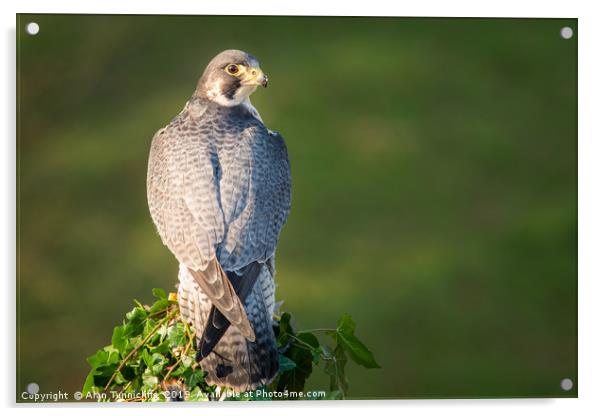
(217, 324)
(228, 358)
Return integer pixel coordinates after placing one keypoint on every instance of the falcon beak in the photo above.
(264, 80)
(257, 77)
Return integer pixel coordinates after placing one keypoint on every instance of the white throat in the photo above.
(214, 93)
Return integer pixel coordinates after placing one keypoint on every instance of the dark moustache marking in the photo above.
(230, 88)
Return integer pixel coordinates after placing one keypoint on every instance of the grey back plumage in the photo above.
(218, 185)
(219, 193)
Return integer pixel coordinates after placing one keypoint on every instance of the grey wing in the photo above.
(183, 199)
(256, 198)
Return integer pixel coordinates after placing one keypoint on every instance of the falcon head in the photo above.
(231, 77)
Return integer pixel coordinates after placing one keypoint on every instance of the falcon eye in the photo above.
(232, 69)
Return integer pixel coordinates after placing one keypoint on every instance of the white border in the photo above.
(590, 183)
(507, 8)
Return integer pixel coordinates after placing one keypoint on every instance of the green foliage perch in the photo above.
(152, 358)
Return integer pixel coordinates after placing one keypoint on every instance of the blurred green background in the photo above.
(434, 189)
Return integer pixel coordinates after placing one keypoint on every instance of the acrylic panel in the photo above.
(431, 245)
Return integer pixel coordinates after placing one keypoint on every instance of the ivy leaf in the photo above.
(119, 378)
(146, 358)
(149, 380)
(89, 384)
(180, 371)
(133, 342)
(136, 318)
(335, 368)
(162, 348)
(149, 326)
(346, 324)
(157, 363)
(294, 379)
(176, 335)
(129, 373)
(356, 349)
(103, 374)
(195, 378)
(309, 338)
(118, 340)
(187, 361)
(285, 363)
(159, 305)
(197, 395)
(159, 293)
(103, 358)
(284, 329)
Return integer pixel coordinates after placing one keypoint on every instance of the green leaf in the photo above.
(356, 349)
(285, 363)
(335, 368)
(136, 319)
(162, 348)
(159, 362)
(149, 326)
(196, 378)
(294, 379)
(158, 306)
(159, 293)
(187, 361)
(103, 358)
(137, 313)
(176, 335)
(284, 329)
(149, 380)
(103, 374)
(146, 358)
(315, 357)
(346, 324)
(154, 362)
(118, 340)
(309, 338)
(89, 384)
(129, 373)
(119, 379)
(133, 343)
(197, 395)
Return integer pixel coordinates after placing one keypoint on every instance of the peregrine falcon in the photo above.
(219, 192)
